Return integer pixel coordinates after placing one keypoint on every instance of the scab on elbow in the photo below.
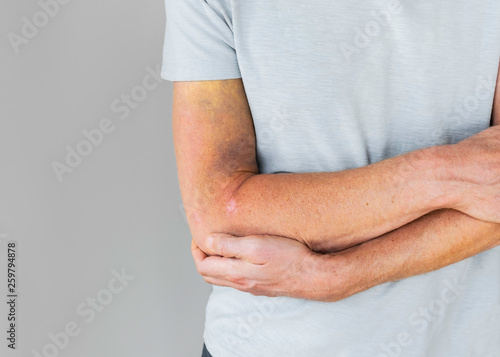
(231, 207)
(231, 192)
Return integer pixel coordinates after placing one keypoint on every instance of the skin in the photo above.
(276, 264)
(223, 192)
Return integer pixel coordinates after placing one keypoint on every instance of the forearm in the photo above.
(331, 211)
(223, 191)
(278, 266)
(334, 210)
(433, 241)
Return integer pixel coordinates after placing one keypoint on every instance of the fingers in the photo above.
(235, 272)
(229, 269)
(197, 253)
(248, 248)
(217, 270)
(245, 287)
(219, 282)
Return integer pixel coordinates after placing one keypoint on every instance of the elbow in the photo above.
(230, 208)
(231, 196)
(217, 212)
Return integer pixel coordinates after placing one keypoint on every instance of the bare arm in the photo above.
(276, 266)
(223, 191)
(433, 241)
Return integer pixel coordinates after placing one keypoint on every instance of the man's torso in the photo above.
(334, 85)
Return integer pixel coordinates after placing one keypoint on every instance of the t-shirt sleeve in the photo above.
(199, 42)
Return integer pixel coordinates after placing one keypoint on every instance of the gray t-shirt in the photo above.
(334, 85)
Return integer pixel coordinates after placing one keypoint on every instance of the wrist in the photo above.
(438, 172)
(330, 280)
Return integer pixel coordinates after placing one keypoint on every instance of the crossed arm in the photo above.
(419, 206)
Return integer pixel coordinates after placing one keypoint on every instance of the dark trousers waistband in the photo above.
(205, 352)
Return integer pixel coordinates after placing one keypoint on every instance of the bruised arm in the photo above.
(223, 191)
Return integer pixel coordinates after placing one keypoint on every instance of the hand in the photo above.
(475, 174)
(266, 265)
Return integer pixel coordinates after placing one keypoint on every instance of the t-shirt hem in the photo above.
(200, 75)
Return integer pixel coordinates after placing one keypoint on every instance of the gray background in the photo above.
(120, 208)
